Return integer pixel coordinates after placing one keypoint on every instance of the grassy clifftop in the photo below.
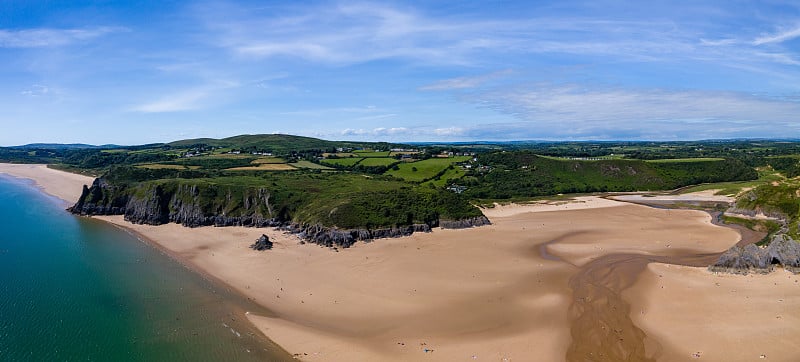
(779, 199)
(341, 200)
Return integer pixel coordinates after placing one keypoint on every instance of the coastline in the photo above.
(63, 185)
(485, 293)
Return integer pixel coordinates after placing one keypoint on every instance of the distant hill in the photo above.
(279, 143)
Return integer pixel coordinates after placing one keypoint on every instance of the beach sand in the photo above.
(498, 292)
(63, 185)
(694, 314)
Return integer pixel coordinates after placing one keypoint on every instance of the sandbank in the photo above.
(576, 203)
(705, 196)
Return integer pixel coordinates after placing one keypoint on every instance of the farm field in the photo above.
(425, 169)
(377, 161)
(310, 165)
(372, 153)
(346, 162)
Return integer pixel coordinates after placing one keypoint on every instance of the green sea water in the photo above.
(76, 289)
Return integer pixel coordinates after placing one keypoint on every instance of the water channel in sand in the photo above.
(601, 326)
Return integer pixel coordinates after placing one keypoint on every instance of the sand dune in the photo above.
(499, 292)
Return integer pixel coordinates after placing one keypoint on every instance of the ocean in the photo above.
(77, 289)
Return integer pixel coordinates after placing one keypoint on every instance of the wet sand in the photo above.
(550, 282)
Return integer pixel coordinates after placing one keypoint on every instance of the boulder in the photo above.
(262, 243)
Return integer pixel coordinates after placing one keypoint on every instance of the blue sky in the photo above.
(139, 72)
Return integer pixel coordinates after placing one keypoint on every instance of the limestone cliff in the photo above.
(194, 205)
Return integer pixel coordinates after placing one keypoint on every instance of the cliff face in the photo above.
(188, 205)
(207, 205)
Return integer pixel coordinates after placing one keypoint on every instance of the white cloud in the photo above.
(183, 101)
(465, 82)
(45, 37)
(575, 110)
(37, 90)
(779, 37)
(190, 99)
(449, 131)
(576, 102)
(378, 132)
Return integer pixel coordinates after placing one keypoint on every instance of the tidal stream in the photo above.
(601, 325)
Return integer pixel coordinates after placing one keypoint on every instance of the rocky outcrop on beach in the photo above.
(344, 238)
(464, 223)
(782, 250)
(262, 243)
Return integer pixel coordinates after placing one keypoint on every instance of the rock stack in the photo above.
(262, 243)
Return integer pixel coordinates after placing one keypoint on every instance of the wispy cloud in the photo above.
(465, 82)
(46, 37)
(607, 112)
(37, 90)
(778, 37)
(344, 34)
(334, 110)
(378, 132)
(357, 33)
(183, 101)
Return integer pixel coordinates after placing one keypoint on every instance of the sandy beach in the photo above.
(694, 314)
(504, 292)
(63, 185)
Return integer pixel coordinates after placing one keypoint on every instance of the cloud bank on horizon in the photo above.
(400, 71)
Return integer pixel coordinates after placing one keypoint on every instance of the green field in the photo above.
(377, 161)
(372, 153)
(449, 175)
(425, 169)
(346, 162)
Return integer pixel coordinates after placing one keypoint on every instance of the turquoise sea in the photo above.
(76, 289)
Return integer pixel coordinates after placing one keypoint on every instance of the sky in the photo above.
(135, 72)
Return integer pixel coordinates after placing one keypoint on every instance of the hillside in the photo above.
(521, 174)
(276, 143)
(334, 192)
(333, 209)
